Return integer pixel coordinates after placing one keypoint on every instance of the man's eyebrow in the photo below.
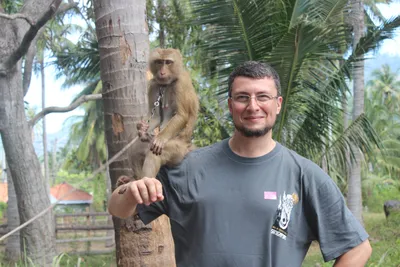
(247, 93)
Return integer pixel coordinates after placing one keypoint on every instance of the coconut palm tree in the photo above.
(308, 43)
(357, 19)
(382, 109)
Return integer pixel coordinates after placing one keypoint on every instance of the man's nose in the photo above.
(253, 102)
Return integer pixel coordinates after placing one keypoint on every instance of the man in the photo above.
(248, 200)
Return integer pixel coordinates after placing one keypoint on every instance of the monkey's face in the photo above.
(164, 71)
(254, 105)
(165, 65)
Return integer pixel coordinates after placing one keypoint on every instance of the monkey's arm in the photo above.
(154, 123)
(186, 100)
(147, 125)
(185, 116)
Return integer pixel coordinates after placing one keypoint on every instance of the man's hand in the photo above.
(124, 199)
(145, 191)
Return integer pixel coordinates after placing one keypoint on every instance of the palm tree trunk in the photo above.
(354, 197)
(122, 35)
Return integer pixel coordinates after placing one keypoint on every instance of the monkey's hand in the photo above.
(158, 145)
(142, 128)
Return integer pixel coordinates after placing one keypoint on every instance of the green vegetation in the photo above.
(65, 260)
(384, 238)
(3, 209)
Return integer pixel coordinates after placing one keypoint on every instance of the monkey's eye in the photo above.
(159, 62)
(168, 62)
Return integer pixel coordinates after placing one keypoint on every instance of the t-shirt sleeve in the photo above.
(149, 213)
(332, 223)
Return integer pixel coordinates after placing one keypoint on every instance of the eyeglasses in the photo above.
(245, 99)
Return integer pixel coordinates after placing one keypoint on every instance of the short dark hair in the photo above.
(256, 70)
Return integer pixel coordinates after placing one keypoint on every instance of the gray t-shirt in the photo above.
(227, 210)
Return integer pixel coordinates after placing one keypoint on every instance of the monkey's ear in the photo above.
(156, 53)
(178, 53)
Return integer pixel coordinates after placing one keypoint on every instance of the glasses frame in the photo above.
(247, 102)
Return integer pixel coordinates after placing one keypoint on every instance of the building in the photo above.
(70, 199)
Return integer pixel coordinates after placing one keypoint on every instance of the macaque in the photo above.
(173, 110)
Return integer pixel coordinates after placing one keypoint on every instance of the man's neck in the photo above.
(251, 147)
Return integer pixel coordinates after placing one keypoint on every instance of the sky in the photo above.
(55, 96)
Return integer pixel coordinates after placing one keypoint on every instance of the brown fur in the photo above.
(180, 109)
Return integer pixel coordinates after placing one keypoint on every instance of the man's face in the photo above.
(254, 105)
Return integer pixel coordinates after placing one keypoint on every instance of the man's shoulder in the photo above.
(296, 158)
(206, 152)
(308, 168)
(196, 159)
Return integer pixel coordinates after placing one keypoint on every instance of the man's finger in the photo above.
(135, 193)
(144, 193)
(159, 190)
(151, 188)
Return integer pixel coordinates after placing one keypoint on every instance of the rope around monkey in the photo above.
(156, 104)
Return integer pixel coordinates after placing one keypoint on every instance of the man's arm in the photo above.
(355, 257)
(145, 190)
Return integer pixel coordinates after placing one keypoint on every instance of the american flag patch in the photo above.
(270, 195)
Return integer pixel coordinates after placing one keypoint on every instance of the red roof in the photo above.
(3, 192)
(60, 190)
(56, 191)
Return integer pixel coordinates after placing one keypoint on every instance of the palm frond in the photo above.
(359, 135)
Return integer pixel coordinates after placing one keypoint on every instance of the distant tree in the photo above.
(382, 107)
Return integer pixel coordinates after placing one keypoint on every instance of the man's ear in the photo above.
(279, 104)
(230, 104)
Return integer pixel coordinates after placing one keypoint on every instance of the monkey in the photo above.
(173, 110)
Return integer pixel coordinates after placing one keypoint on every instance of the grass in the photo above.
(384, 238)
(87, 261)
(65, 260)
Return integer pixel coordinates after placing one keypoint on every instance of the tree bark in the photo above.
(44, 137)
(13, 248)
(354, 197)
(160, 15)
(54, 166)
(37, 239)
(122, 34)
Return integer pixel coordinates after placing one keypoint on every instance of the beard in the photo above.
(252, 133)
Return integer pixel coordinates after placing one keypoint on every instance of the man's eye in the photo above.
(242, 98)
(264, 98)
